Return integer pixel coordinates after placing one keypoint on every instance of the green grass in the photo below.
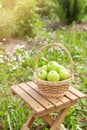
(19, 67)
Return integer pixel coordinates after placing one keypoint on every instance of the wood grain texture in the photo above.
(42, 106)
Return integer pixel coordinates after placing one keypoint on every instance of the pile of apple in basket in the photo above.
(53, 79)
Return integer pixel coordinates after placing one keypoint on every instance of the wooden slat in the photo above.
(45, 103)
(76, 92)
(28, 99)
(71, 96)
(64, 106)
(64, 99)
(55, 101)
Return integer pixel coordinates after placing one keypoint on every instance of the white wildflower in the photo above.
(1, 56)
(13, 58)
(1, 60)
(20, 58)
(19, 46)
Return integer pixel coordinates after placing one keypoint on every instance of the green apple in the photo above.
(44, 67)
(53, 76)
(52, 65)
(42, 74)
(60, 67)
(64, 74)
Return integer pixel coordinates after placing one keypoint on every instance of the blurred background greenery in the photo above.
(21, 18)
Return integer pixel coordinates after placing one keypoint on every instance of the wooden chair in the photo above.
(43, 106)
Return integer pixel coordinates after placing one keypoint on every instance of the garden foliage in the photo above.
(26, 18)
(70, 11)
(20, 18)
(7, 24)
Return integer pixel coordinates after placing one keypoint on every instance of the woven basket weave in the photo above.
(53, 89)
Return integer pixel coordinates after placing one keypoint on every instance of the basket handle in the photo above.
(60, 46)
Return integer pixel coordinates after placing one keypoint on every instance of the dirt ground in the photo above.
(15, 43)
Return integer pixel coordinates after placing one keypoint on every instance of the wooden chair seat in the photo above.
(43, 106)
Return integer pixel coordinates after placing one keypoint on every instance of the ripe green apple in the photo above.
(64, 74)
(42, 74)
(60, 67)
(52, 65)
(53, 76)
(44, 67)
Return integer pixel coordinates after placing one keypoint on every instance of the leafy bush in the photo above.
(8, 4)
(70, 10)
(7, 25)
(26, 18)
(19, 18)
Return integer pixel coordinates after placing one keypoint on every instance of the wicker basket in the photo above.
(53, 89)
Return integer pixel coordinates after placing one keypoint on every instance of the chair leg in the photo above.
(28, 123)
(24, 127)
(48, 119)
(59, 119)
(59, 129)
